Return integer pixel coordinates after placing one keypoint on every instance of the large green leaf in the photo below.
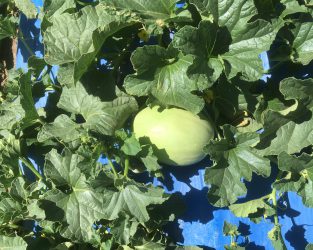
(12, 243)
(63, 170)
(57, 7)
(10, 150)
(77, 38)
(234, 159)
(151, 10)
(27, 7)
(234, 14)
(248, 39)
(10, 211)
(303, 43)
(10, 114)
(292, 131)
(18, 189)
(201, 42)
(131, 146)
(63, 128)
(124, 229)
(292, 7)
(255, 210)
(251, 207)
(8, 27)
(300, 177)
(82, 206)
(162, 73)
(101, 117)
(244, 51)
(134, 200)
(150, 245)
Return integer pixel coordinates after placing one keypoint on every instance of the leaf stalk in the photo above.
(112, 168)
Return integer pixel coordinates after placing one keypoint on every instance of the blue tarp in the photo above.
(202, 224)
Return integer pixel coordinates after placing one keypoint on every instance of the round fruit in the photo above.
(178, 135)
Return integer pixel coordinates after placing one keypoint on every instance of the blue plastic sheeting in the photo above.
(202, 224)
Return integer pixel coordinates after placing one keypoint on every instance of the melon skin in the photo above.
(178, 135)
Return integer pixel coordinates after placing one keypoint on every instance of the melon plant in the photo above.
(110, 101)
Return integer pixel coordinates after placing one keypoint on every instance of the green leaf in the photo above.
(18, 189)
(82, 206)
(10, 211)
(131, 146)
(230, 229)
(201, 42)
(240, 11)
(292, 7)
(252, 209)
(77, 38)
(63, 128)
(150, 245)
(124, 229)
(134, 200)
(150, 10)
(8, 27)
(303, 43)
(11, 85)
(10, 150)
(300, 178)
(27, 7)
(65, 169)
(293, 131)
(161, 73)
(248, 39)
(100, 117)
(57, 7)
(234, 159)
(63, 246)
(276, 238)
(12, 243)
(35, 211)
(243, 55)
(10, 114)
(150, 161)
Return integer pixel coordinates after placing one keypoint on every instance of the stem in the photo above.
(12, 226)
(273, 196)
(31, 168)
(274, 199)
(209, 118)
(21, 37)
(112, 167)
(126, 166)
